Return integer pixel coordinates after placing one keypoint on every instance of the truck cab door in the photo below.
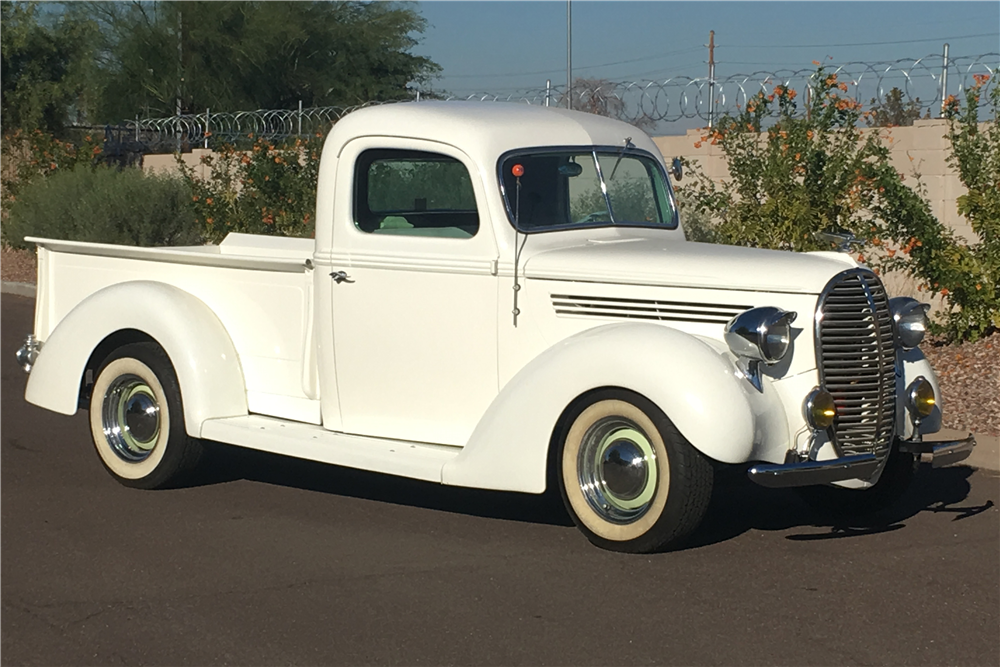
(414, 297)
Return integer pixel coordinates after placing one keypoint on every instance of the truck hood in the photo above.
(650, 261)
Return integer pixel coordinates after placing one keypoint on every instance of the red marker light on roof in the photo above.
(517, 170)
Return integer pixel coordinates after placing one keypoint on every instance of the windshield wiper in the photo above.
(621, 153)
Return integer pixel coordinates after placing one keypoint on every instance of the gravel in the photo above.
(968, 374)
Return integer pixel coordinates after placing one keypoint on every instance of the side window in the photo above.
(414, 193)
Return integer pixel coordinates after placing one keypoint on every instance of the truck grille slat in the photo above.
(856, 358)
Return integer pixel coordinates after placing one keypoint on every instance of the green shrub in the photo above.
(103, 205)
(815, 172)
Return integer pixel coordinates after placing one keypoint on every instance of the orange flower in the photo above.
(209, 220)
(52, 165)
(842, 86)
(981, 78)
(792, 94)
(816, 62)
(697, 144)
(245, 159)
(195, 198)
(945, 292)
(809, 134)
(209, 201)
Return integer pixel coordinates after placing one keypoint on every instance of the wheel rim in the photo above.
(131, 418)
(617, 470)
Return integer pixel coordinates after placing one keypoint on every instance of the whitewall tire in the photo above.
(628, 478)
(137, 419)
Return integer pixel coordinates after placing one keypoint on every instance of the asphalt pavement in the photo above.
(266, 560)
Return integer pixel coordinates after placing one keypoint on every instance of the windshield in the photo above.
(585, 188)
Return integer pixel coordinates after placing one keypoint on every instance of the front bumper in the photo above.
(861, 466)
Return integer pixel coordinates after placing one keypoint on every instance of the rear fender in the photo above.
(692, 382)
(198, 345)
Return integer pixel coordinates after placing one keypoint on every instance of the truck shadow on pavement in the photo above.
(738, 505)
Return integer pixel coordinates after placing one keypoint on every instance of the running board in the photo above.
(315, 443)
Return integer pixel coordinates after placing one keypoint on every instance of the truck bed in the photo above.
(259, 286)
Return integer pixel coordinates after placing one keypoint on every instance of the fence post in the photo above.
(548, 91)
(208, 116)
(300, 118)
(944, 76)
(137, 128)
(711, 78)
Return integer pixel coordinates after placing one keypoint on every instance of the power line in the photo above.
(830, 46)
(553, 71)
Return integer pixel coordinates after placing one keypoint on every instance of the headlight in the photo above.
(761, 334)
(819, 408)
(920, 400)
(910, 317)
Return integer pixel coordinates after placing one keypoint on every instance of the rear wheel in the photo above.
(137, 419)
(628, 478)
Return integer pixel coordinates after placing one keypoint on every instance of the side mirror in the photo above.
(676, 168)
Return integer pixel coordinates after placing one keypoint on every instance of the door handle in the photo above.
(340, 277)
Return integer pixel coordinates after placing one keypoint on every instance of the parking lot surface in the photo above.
(267, 561)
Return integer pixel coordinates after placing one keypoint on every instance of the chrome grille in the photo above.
(856, 354)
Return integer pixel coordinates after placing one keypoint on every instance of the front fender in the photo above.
(201, 351)
(689, 380)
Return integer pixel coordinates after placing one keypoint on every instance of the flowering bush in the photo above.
(973, 281)
(269, 189)
(819, 172)
(30, 157)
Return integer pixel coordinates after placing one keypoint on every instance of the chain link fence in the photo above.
(925, 81)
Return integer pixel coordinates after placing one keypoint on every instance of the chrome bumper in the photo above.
(861, 466)
(944, 452)
(28, 352)
(805, 473)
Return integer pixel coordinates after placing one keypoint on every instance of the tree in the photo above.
(892, 111)
(45, 68)
(254, 55)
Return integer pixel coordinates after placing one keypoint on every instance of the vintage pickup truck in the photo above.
(498, 296)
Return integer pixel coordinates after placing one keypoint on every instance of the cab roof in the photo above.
(486, 130)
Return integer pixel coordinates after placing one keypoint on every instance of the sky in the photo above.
(507, 47)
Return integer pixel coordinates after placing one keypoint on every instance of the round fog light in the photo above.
(820, 409)
(920, 399)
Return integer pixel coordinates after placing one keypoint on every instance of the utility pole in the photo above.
(711, 78)
(569, 54)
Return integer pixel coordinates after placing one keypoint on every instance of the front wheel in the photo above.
(137, 419)
(629, 479)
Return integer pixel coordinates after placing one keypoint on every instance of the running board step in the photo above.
(315, 443)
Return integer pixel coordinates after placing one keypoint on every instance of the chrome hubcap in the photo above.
(131, 418)
(617, 470)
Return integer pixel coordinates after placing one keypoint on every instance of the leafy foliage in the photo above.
(44, 70)
(974, 279)
(254, 55)
(104, 205)
(819, 172)
(269, 189)
(893, 111)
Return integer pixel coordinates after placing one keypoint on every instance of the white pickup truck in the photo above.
(500, 297)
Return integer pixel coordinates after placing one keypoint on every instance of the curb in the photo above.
(19, 289)
(986, 454)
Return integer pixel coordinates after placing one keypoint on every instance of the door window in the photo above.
(414, 193)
